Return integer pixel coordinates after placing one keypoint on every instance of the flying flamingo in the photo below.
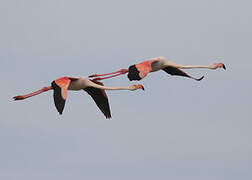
(94, 88)
(139, 71)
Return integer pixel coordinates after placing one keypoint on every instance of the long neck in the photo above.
(116, 88)
(107, 87)
(21, 97)
(170, 63)
(193, 66)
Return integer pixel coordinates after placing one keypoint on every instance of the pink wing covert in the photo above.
(63, 83)
(144, 67)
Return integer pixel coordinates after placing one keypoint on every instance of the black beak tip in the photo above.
(224, 67)
(142, 88)
(200, 78)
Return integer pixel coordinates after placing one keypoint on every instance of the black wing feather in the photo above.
(177, 72)
(58, 99)
(101, 100)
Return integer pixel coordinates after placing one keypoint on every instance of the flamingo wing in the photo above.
(100, 98)
(139, 71)
(177, 72)
(60, 87)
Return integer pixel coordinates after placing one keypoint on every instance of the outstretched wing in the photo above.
(100, 98)
(177, 72)
(60, 87)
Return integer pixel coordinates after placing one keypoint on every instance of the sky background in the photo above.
(177, 129)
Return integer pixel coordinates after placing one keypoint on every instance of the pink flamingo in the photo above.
(94, 88)
(139, 71)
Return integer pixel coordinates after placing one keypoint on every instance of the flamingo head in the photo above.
(221, 65)
(136, 86)
(218, 65)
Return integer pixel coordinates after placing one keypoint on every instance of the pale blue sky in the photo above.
(177, 129)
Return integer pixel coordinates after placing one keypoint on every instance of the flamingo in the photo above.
(139, 71)
(94, 88)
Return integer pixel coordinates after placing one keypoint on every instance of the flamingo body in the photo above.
(62, 85)
(94, 88)
(141, 70)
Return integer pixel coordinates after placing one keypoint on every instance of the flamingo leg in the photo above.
(121, 71)
(101, 78)
(32, 94)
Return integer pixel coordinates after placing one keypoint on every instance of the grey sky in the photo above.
(177, 129)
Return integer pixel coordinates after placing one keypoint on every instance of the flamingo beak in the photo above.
(224, 67)
(142, 87)
(221, 65)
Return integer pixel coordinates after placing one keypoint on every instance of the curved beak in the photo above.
(142, 87)
(224, 67)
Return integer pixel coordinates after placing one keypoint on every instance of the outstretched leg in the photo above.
(21, 97)
(116, 73)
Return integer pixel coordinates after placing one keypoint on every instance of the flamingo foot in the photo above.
(15, 98)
